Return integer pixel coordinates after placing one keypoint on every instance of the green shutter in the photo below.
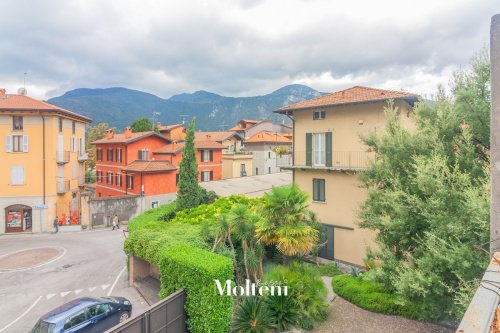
(211, 175)
(211, 155)
(308, 149)
(328, 147)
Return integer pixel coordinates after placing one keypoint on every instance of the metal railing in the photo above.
(63, 156)
(166, 316)
(335, 160)
(63, 186)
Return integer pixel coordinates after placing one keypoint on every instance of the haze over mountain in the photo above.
(121, 106)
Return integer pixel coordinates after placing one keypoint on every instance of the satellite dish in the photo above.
(22, 91)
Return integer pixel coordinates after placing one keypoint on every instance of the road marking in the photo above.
(49, 296)
(78, 291)
(64, 293)
(116, 281)
(91, 289)
(104, 286)
(59, 248)
(22, 315)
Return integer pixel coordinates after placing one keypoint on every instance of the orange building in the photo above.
(174, 132)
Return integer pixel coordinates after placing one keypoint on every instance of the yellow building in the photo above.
(328, 154)
(43, 164)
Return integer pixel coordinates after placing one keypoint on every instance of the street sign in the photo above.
(39, 207)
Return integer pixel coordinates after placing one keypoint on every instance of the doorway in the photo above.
(18, 218)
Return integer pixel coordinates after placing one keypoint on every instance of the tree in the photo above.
(428, 199)
(243, 229)
(188, 193)
(95, 133)
(286, 222)
(142, 125)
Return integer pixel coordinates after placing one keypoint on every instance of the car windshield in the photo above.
(43, 327)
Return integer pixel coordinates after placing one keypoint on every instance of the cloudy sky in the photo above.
(238, 47)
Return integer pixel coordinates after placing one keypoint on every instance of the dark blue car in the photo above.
(85, 315)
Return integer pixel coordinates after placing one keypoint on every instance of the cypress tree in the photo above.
(188, 193)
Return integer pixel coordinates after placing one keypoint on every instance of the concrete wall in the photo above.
(231, 165)
(264, 158)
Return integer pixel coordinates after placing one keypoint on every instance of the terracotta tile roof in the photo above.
(245, 124)
(215, 136)
(149, 166)
(268, 137)
(120, 138)
(168, 127)
(352, 95)
(177, 147)
(12, 102)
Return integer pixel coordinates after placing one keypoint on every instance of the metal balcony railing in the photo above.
(82, 156)
(336, 160)
(63, 186)
(63, 156)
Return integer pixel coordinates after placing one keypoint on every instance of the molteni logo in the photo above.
(273, 288)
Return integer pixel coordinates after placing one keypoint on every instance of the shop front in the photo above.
(18, 218)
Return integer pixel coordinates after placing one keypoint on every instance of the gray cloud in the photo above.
(234, 47)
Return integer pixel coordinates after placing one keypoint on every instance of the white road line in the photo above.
(78, 291)
(49, 296)
(104, 286)
(64, 293)
(22, 315)
(116, 281)
(91, 289)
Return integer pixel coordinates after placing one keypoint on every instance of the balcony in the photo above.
(63, 156)
(63, 186)
(338, 160)
(82, 156)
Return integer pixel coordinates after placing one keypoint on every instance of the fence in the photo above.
(166, 316)
(342, 160)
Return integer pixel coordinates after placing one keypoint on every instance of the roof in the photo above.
(120, 138)
(268, 137)
(69, 308)
(216, 136)
(149, 166)
(352, 95)
(175, 148)
(240, 127)
(12, 102)
(168, 127)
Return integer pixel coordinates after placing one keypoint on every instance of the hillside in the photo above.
(120, 106)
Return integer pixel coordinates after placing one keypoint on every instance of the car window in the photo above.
(77, 319)
(43, 327)
(99, 309)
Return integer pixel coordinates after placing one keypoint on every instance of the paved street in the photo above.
(88, 265)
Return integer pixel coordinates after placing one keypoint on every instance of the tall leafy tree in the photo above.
(142, 125)
(95, 133)
(188, 193)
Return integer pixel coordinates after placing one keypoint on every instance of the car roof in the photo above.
(70, 308)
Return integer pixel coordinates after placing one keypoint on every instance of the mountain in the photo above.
(121, 106)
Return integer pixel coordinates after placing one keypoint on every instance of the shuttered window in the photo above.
(17, 175)
(16, 143)
(319, 190)
(143, 155)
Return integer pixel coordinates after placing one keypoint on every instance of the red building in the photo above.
(146, 163)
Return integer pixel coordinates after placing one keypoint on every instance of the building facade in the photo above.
(43, 164)
(328, 154)
(265, 149)
(247, 128)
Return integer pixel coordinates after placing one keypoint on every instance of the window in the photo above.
(73, 144)
(144, 154)
(77, 319)
(207, 155)
(99, 309)
(110, 178)
(118, 180)
(80, 146)
(17, 123)
(154, 204)
(207, 176)
(130, 181)
(176, 179)
(242, 167)
(16, 143)
(99, 154)
(17, 175)
(269, 155)
(98, 176)
(119, 155)
(73, 171)
(73, 128)
(319, 149)
(319, 190)
(319, 115)
(60, 125)
(269, 171)
(109, 156)
(256, 171)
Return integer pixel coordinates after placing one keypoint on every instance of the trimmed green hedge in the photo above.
(373, 297)
(152, 218)
(195, 270)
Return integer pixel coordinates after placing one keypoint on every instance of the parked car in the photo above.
(85, 315)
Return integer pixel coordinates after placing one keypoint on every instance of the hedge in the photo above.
(373, 297)
(195, 270)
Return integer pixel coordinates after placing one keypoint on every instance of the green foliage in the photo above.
(207, 197)
(252, 316)
(151, 219)
(305, 289)
(373, 297)
(142, 124)
(283, 310)
(195, 270)
(328, 270)
(188, 192)
(95, 133)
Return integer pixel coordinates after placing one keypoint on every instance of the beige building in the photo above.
(328, 154)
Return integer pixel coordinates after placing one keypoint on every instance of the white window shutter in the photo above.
(25, 143)
(17, 176)
(8, 143)
(21, 175)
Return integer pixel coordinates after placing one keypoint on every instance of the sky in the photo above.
(238, 47)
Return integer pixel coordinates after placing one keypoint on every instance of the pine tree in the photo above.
(188, 193)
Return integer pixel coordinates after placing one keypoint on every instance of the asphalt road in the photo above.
(92, 263)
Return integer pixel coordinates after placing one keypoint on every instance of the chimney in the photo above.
(158, 124)
(2, 91)
(128, 132)
(209, 137)
(109, 134)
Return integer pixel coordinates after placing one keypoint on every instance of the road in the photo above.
(90, 264)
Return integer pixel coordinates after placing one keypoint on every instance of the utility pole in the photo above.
(495, 135)
(183, 118)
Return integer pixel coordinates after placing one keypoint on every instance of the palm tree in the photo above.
(287, 223)
(252, 316)
(243, 220)
(223, 234)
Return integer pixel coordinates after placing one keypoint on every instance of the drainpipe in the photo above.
(43, 156)
(495, 134)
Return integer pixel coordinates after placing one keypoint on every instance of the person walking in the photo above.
(56, 225)
(116, 222)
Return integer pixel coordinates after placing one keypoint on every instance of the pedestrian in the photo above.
(56, 225)
(116, 222)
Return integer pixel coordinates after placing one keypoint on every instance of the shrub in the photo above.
(373, 297)
(207, 197)
(195, 270)
(283, 311)
(151, 219)
(305, 289)
(328, 270)
(252, 316)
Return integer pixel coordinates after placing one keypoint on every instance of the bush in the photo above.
(207, 197)
(305, 289)
(373, 297)
(283, 311)
(252, 316)
(195, 270)
(328, 270)
(151, 219)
